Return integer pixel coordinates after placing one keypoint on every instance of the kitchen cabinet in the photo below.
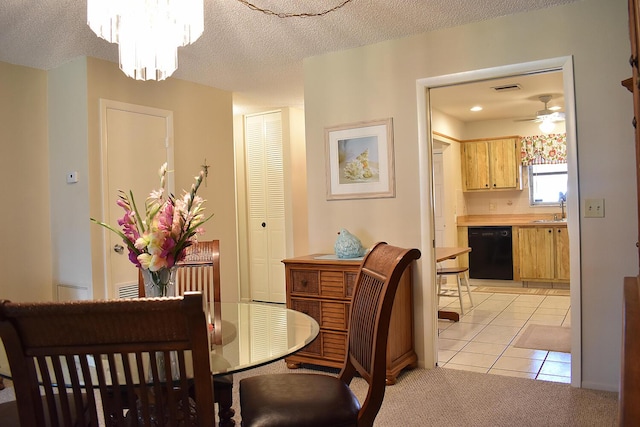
(322, 287)
(489, 165)
(463, 242)
(543, 253)
(562, 253)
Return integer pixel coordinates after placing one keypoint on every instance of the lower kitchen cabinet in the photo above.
(543, 253)
(322, 287)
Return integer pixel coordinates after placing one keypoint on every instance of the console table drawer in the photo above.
(330, 346)
(328, 314)
(305, 282)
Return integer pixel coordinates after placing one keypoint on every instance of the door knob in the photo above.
(117, 248)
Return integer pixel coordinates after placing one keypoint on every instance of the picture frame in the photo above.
(360, 160)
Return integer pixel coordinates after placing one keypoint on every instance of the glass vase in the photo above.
(161, 283)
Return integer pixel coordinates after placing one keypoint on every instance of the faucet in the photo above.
(562, 201)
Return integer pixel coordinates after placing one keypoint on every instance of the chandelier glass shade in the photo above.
(148, 32)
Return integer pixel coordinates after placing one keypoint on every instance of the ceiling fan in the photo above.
(546, 114)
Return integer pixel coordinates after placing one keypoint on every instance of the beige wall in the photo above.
(25, 257)
(203, 129)
(380, 81)
(70, 230)
(64, 245)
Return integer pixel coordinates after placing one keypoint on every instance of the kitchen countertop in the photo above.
(506, 220)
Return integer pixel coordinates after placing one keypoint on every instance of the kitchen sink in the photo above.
(549, 220)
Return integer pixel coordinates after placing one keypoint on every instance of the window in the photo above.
(547, 184)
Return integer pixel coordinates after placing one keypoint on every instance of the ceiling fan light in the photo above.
(547, 126)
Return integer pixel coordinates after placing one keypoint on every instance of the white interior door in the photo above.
(136, 141)
(266, 207)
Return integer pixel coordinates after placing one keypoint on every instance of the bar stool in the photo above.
(459, 272)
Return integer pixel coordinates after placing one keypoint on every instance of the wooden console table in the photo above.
(322, 286)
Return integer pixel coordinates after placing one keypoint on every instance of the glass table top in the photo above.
(254, 334)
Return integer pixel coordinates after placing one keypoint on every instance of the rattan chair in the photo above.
(78, 352)
(293, 399)
(200, 272)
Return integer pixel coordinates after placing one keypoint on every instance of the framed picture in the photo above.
(359, 160)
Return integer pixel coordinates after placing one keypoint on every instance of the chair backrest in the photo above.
(199, 271)
(111, 352)
(374, 292)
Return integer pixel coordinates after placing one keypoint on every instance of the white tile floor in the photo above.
(483, 339)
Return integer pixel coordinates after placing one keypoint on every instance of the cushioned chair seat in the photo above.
(283, 400)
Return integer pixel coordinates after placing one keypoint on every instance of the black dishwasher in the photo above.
(491, 255)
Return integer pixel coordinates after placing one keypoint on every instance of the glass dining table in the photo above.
(250, 335)
(254, 334)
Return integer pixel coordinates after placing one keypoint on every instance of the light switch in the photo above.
(594, 208)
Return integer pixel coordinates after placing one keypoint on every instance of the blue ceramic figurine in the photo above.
(348, 246)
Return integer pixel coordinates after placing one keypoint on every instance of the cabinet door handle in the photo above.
(549, 231)
(304, 283)
(633, 61)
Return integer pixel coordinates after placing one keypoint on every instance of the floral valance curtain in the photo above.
(544, 149)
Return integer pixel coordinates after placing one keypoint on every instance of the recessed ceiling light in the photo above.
(476, 108)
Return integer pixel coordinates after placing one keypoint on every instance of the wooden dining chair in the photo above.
(293, 399)
(200, 271)
(78, 352)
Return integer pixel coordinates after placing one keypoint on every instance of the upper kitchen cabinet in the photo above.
(491, 164)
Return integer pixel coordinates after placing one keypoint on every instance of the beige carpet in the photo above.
(522, 291)
(448, 397)
(545, 337)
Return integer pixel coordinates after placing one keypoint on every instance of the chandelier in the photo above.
(148, 32)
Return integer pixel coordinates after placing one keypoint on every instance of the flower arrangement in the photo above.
(159, 239)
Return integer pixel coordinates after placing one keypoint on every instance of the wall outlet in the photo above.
(493, 206)
(72, 177)
(594, 208)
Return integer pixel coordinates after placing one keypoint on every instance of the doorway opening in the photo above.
(426, 131)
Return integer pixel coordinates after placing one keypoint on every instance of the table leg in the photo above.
(448, 315)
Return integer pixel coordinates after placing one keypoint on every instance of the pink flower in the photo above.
(158, 236)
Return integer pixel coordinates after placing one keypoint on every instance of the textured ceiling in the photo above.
(258, 57)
